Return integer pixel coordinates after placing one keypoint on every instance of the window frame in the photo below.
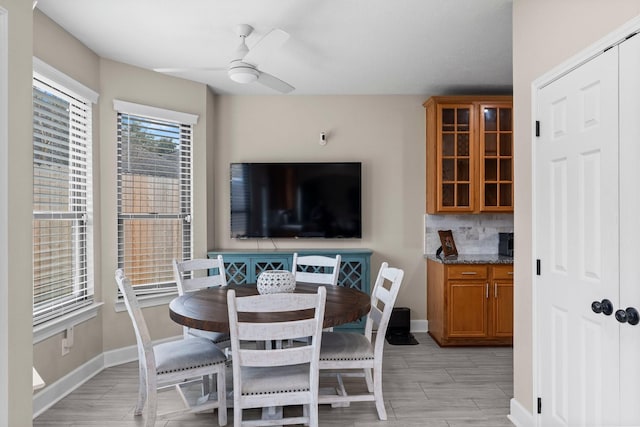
(67, 319)
(155, 294)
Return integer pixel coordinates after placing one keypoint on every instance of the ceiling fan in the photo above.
(244, 67)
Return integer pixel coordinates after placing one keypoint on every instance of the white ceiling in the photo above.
(335, 47)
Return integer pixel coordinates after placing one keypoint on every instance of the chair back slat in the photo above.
(316, 269)
(383, 295)
(376, 316)
(319, 260)
(277, 357)
(196, 283)
(270, 303)
(276, 331)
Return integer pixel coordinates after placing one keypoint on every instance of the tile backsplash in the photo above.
(473, 234)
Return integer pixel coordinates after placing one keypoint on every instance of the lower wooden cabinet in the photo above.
(470, 304)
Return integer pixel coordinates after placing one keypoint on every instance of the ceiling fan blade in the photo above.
(267, 44)
(274, 83)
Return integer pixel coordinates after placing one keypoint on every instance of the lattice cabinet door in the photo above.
(259, 265)
(352, 274)
(237, 270)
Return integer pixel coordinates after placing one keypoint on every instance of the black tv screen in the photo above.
(296, 200)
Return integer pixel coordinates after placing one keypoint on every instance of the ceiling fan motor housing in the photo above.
(241, 72)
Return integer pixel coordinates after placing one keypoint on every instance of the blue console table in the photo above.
(244, 266)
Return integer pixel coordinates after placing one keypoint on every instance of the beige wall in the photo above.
(132, 84)
(545, 34)
(18, 205)
(60, 50)
(385, 133)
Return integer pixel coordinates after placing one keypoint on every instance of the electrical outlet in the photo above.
(67, 341)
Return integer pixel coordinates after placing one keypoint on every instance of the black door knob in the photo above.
(630, 316)
(605, 306)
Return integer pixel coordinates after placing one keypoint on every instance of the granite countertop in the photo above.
(472, 259)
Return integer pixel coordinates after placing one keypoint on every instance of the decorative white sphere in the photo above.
(276, 281)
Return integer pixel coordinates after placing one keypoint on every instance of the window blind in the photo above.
(61, 201)
(154, 199)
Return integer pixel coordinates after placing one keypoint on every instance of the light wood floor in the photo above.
(424, 385)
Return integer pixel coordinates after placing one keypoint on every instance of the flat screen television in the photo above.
(296, 200)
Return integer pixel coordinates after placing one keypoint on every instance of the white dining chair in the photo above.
(193, 274)
(267, 378)
(170, 363)
(319, 269)
(346, 352)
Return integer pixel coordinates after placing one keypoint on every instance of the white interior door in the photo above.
(577, 232)
(629, 227)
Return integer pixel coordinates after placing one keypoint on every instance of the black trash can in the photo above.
(399, 328)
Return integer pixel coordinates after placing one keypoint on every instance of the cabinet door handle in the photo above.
(495, 290)
(469, 273)
(510, 272)
(487, 290)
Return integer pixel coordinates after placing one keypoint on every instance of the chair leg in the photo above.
(377, 393)
(313, 414)
(152, 404)
(369, 380)
(305, 413)
(237, 415)
(222, 396)
(142, 391)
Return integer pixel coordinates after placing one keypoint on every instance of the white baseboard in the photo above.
(56, 391)
(119, 356)
(419, 325)
(519, 416)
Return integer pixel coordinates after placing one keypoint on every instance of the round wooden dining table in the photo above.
(206, 309)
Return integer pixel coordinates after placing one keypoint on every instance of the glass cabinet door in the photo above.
(496, 158)
(455, 152)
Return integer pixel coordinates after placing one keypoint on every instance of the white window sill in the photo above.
(60, 324)
(148, 300)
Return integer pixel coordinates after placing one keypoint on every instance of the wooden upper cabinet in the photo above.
(469, 154)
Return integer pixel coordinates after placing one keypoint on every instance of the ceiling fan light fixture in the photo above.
(243, 75)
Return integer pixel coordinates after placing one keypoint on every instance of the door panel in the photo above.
(503, 309)
(558, 369)
(576, 181)
(468, 309)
